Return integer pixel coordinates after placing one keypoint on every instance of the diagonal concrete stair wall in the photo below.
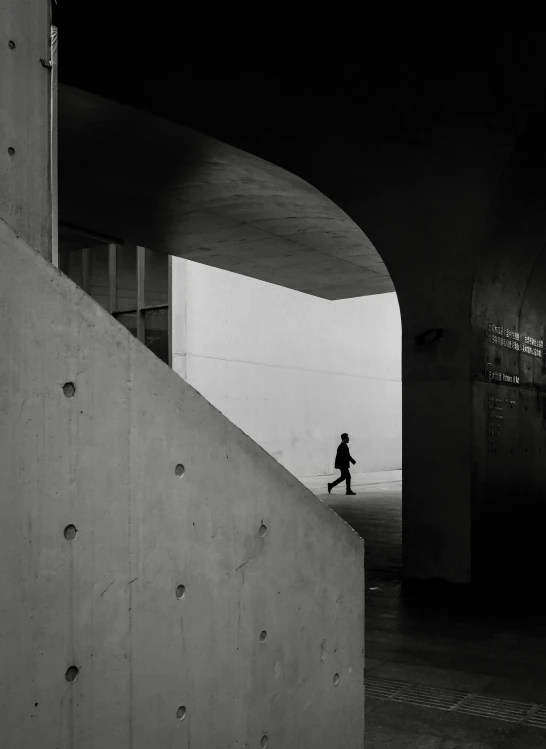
(263, 644)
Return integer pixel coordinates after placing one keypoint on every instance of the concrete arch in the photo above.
(128, 174)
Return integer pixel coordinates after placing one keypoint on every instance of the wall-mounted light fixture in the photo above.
(429, 336)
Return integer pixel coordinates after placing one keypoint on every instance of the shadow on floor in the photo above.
(487, 649)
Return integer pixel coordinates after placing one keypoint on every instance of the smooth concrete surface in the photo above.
(437, 516)
(489, 644)
(25, 106)
(292, 371)
(175, 190)
(119, 484)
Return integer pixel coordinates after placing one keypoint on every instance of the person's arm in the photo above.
(351, 458)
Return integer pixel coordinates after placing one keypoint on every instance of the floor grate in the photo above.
(538, 718)
(527, 713)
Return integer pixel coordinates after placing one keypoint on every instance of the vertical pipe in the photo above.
(112, 278)
(170, 309)
(141, 269)
(85, 269)
(53, 146)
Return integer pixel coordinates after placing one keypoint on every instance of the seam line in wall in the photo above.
(296, 369)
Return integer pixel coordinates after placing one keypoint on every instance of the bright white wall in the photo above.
(291, 370)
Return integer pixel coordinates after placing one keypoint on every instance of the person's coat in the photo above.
(343, 457)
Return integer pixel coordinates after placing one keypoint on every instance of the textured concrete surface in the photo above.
(25, 194)
(488, 644)
(120, 484)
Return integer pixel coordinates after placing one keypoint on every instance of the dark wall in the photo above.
(509, 373)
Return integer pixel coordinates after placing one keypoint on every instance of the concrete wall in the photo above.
(25, 127)
(103, 458)
(291, 370)
(509, 376)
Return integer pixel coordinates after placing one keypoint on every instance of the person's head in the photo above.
(344, 437)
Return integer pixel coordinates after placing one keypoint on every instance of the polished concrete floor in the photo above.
(444, 669)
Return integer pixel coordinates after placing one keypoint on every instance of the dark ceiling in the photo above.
(263, 86)
(390, 112)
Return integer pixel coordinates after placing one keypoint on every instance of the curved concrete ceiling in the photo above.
(130, 175)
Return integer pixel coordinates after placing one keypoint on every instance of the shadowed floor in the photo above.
(375, 513)
(442, 652)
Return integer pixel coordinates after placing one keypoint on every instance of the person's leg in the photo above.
(347, 477)
(336, 482)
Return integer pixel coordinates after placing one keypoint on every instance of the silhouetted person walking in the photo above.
(343, 458)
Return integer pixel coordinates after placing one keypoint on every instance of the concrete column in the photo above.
(25, 72)
(437, 423)
(437, 455)
(474, 402)
(179, 301)
(441, 196)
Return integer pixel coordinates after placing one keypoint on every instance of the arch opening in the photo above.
(300, 339)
